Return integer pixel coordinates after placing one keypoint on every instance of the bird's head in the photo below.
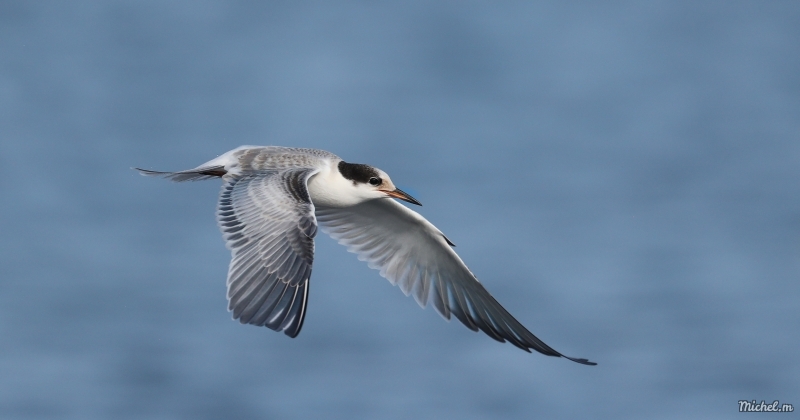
(369, 182)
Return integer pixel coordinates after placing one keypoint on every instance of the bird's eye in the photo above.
(374, 181)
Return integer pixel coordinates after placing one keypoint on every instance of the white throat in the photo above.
(330, 189)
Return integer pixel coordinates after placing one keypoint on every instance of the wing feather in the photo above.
(268, 222)
(414, 255)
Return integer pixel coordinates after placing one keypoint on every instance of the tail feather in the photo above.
(197, 174)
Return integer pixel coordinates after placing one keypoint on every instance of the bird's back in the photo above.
(264, 158)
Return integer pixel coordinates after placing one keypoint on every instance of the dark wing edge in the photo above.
(477, 309)
(496, 320)
(268, 277)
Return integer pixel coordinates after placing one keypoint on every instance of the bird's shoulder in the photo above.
(253, 159)
(276, 158)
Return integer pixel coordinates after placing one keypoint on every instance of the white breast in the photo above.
(330, 189)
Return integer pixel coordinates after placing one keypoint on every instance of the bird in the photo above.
(272, 202)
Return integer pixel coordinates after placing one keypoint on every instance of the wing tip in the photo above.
(581, 361)
(298, 313)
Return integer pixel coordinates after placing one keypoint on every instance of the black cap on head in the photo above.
(357, 172)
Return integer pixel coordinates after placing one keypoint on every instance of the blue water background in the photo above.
(623, 176)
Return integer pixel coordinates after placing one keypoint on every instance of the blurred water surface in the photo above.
(622, 177)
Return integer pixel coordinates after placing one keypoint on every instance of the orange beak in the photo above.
(398, 193)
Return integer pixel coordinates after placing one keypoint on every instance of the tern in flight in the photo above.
(272, 200)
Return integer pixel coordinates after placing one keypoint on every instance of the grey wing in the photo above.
(267, 220)
(413, 254)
